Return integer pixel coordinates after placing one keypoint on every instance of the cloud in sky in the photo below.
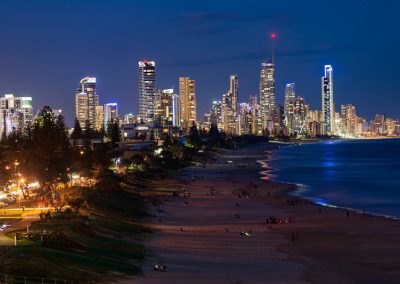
(260, 54)
(210, 23)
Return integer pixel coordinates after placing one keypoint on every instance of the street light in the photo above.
(16, 163)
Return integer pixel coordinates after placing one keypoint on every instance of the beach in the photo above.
(198, 234)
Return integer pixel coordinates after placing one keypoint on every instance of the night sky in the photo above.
(46, 47)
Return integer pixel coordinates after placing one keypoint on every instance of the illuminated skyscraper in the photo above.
(147, 89)
(110, 113)
(15, 113)
(267, 94)
(328, 106)
(166, 107)
(290, 95)
(187, 98)
(216, 115)
(86, 101)
(300, 113)
(349, 120)
(230, 107)
(99, 117)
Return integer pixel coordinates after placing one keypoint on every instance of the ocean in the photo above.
(356, 174)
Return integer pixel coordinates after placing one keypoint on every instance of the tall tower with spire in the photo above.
(267, 90)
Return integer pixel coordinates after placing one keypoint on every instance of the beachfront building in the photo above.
(216, 114)
(187, 102)
(267, 95)
(15, 113)
(349, 120)
(299, 116)
(377, 126)
(229, 107)
(290, 95)
(110, 114)
(86, 101)
(166, 108)
(147, 89)
(392, 127)
(328, 106)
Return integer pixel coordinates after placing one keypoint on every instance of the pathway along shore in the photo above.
(198, 237)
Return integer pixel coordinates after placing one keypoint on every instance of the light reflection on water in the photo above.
(364, 175)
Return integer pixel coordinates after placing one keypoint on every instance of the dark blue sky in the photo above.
(47, 46)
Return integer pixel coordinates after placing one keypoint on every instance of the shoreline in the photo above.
(291, 192)
(330, 246)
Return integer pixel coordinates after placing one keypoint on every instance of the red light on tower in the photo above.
(273, 35)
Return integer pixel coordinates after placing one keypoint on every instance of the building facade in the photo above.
(15, 113)
(267, 95)
(187, 101)
(328, 106)
(86, 101)
(229, 107)
(166, 108)
(110, 114)
(147, 89)
(290, 94)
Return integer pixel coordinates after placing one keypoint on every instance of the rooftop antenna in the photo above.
(273, 36)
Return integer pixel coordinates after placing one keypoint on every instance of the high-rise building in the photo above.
(328, 106)
(99, 117)
(166, 107)
(290, 95)
(300, 110)
(377, 126)
(216, 115)
(392, 126)
(147, 89)
(110, 114)
(187, 99)
(229, 107)
(15, 113)
(267, 94)
(349, 120)
(86, 101)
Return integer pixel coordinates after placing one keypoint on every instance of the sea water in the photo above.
(357, 174)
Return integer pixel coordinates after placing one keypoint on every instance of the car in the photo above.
(244, 233)
(2, 227)
(160, 268)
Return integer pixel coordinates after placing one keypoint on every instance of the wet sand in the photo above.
(199, 239)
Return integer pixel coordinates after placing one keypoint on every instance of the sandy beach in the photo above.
(198, 236)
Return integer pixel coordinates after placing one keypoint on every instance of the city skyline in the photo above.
(114, 58)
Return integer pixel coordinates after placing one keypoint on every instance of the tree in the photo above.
(167, 142)
(77, 132)
(213, 135)
(50, 151)
(5, 173)
(102, 155)
(88, 132)
(108, 181)
(114, 133)
(194, 137)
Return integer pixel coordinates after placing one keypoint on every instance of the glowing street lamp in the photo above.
(16, 163)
